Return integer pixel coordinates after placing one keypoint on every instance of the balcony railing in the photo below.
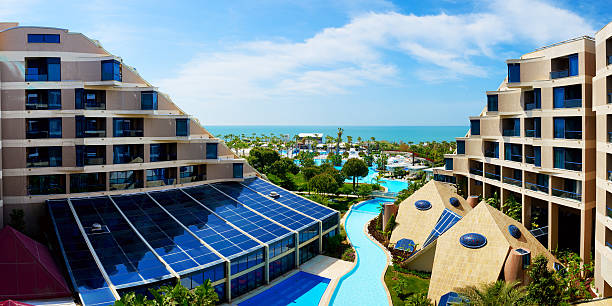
(530, 160)
(493, 176)
(513, 181)
(530, 106)
(160, 182)
(530, 133)
(131, 133)
(95, 133)
(491, 154)
(126, 185)
(515, 157)
(194, 178)
(92, 161)
(571, 103)
(566, 194)
(476, 171)
(512, 133)
(559, 74)
(574, 166)
(32, 75)
(536, 187)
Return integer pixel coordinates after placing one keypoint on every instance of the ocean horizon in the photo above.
(397, 133)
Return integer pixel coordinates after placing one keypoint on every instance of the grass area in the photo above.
(407, 283)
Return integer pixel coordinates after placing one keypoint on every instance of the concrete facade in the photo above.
(40, 162)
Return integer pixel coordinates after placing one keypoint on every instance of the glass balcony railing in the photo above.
(566, 194)
(492, 154)
(515, 157)
(493, 176)
(530, 106)
(194, 178)
(34, 75)
(160, 182)
(559, 74)
(573, 134)
(513, 181)
(476, 171)
(132, 184)
(571, 103)
(130, 133)
(536, 187)
(530, 160)
(574, 166)
(512, 133)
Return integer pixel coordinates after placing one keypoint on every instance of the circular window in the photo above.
(422, 205)
(473, 240)
(454, 201)
(514, 231)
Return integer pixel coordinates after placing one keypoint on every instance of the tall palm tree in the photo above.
(338, 140)
(497, 293)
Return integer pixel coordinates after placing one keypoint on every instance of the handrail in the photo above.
(536, 187)
(566, 194)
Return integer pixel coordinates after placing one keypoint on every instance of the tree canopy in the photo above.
(261, 158)
(323, 183)
(354, 168)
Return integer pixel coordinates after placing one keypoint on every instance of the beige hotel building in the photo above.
(544, 139)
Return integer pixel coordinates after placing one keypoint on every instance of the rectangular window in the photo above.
(126, 154)
(86, 127)
(46, 184)
(44, 128)
(567, 96)
(537, 152)
(492, 103)
(44, 157)
(211, 151)
(131, 127)
(122, 180)
(89, 99)
(44, 38)
(159, 177)
(90, 155)
(537, 97)
(573, 65)
(460, 146)
(42, 69)
(148, 100)
(475, 127)
(182, 127)
(87, 182)
(238, 171)
(111, 70)
(448, 164)
(514, 73)
(43, 99)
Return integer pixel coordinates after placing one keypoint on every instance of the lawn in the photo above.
(413, 284)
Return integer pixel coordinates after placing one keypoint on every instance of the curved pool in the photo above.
(363, 284)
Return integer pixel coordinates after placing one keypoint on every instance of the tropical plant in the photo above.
(323, 183)
(512, 208)
(576, 276)
(355, 168)
(545, 287)
(203, 295)
(418, 299)
(339, 139)
(261, 158)
(494, 200)
(496, 293)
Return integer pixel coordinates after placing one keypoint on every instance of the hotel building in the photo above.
(137, 192)
(543, 139)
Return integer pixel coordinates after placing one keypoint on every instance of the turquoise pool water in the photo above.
(363, 285)
(299, 289)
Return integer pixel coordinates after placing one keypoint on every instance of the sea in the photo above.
(415, 134)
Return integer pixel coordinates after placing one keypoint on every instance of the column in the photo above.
(586, 232)
(526, 211)
(553, 225)
(228, 281)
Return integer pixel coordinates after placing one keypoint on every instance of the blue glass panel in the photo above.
(559, 127)
(475, 127)
(237, 214)
(289, 199)
(573, 64)
(182, 127)
(111, 70)
(514, 72)
(211, 151)
(126, 259)
(558, 97)
(460, 146)
(148, 100)
(447, 220)
(168, 238)
(237, 170)
(54, 71)
(220, 235)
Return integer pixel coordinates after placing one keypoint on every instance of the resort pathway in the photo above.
(363, 285)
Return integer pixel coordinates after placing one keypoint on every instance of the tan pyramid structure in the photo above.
(456, 266)
(415, 224)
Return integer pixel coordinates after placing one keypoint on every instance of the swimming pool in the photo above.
(363, 284)
(300, 288)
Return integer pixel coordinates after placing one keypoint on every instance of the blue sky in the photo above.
(359, 62)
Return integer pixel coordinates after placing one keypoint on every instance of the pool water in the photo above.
(300, 288)
(363, 284)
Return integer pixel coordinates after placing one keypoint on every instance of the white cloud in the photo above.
(340, 58)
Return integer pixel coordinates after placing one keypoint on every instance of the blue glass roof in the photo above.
(269, 208)
(213, 230)
(176, 246)
(125, 258)
(447, 220)
(422, 205)
(82, 268)
(473, 240)
(514, 231)
(247, 220)
(406, 245)
(289, 199)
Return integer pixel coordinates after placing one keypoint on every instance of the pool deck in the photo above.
(320, 265)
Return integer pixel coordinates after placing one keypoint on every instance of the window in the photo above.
(111, 70)
(573, 65)
(460, 146)
(533, 99)
(43, 99)
(491, 149)
(162, 152)
(567, 96)
(513, 152)
(514, 72)
(568, 127)
(125, 154)
(42, 69)
(238, 168)
(89, 99)
(87, 182)
(44, 157)
(448, 164)
(46, 184)
(211, 151)
(182, 127)
(148, 100)
(192, 173)
(492, 103)
(90, 155)
(475, 127)
(44, 128)
(122, 180)
(160, 177)
(566, 158)
(131, 127)
(90, 127)
(537, 152)
(44, 38)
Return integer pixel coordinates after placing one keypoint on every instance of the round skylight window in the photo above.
(422, 205)
(473, 240)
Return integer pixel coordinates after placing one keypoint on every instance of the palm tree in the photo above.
(338, 140)
(496, 293)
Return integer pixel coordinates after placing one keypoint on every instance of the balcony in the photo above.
(493, 176)
(160, 182)
(515, 157)
(132, 127)
(559, 74)
(42, 69)
(193, 178)
(476, 171)
(536, 187)
(512, 133)
(574, 166)
(44, 128)
(530, 160)
(513, 181)
(573, 134)
(492, 154)
(123, 180)
(530, 133)
(566, 194)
